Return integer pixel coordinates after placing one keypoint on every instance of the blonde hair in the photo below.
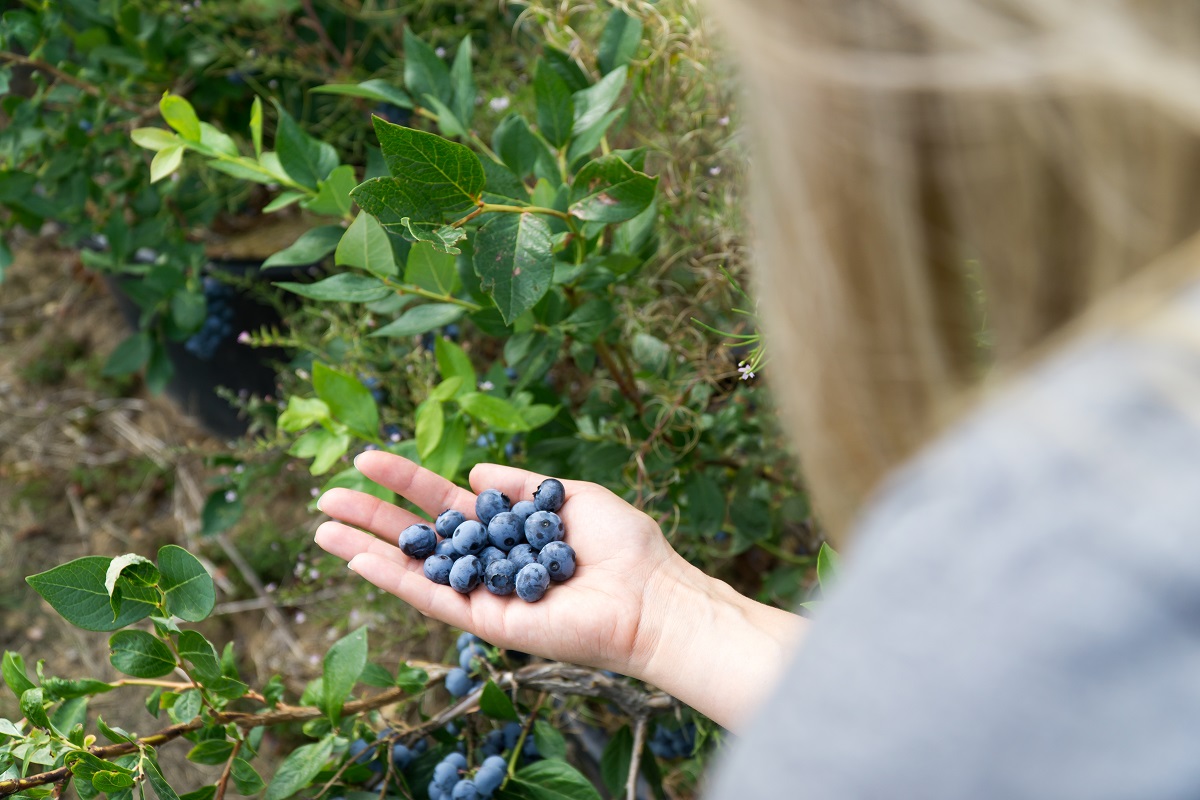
(1052, 143)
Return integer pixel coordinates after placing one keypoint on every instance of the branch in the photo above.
(223, 781)
(68, 78)
(553, 678)
(635, 759)
(618, 375)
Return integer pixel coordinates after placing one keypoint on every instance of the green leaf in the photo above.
(615, 760)
(284, 200)
(650, 352)
(496, 704)
(503, 187)
(452, 362)
(375, 89)
(447, 120)
(33, 708)
(203, 793)
(188, 310)
(828, 566)
(706, 504)
(311, 247)
(587, 322)
(220, 513)
(162, 789)
(353, 479)
(12, 666)
(411, 679)
(114, 734)
(549, 741)
(609, 190)
(299, 768)
(245, 778)
(349, 401)
(398, 205)
(66, 688)
(424, 72)
(110, 782)
(76, 591)
(419, 319)
(446, 172)
(592, 103)
(494, 412)
(377, 676)
(344, 287)
(159, 369)
(430, 422)
(365, 245)
(180, 115)
(343, 664)
(588, 140)
(443, 237)
(323, 447)
(555, 780)
(301, 413)
(517, 145)
(448, 456)
(203, 656)
(514, 262)
(306, 160)
(256, 125)
(217, 141)
(128, 561)
(620, 40)
(555, 106)
(189, 588)
(431, 270)
(140, 655)
(130, 356)
(333, 193)
(447, 389)
(566, 67)
(464, 83)
(211, 751)
(154, 138)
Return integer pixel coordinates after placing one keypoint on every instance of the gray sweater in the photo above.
(1020, 614)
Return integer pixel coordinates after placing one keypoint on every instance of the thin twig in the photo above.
(635, 758)
(223, 781)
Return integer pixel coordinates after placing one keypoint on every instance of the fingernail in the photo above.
(350, 565)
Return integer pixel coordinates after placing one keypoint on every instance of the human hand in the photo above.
(611, 614)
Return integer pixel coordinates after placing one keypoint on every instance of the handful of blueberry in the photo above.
(512, 547)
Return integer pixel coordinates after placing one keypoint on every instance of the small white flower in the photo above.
(486, 386)
(244, 337)
(744, 368)
(314, 573)
(395, 437)
(714, 171)
(440, 52)
(270, 587)
(723, 121)
(498, 104)
(230, 496)
(302, 374)
(314, 659)
(300, 617)
(314, 491)
(240, 468)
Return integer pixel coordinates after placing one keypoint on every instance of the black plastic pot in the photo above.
(198, 372)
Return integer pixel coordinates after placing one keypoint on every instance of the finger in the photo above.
(431, 599)
(367, 511)
(518, 484)
(432, 493)
(346, 542)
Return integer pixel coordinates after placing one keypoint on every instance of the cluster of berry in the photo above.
(673, 742)
(218, 325)
(511, 547)
(450, 783)
(459, 682)
(402, 755)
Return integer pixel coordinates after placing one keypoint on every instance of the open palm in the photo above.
(608, 615)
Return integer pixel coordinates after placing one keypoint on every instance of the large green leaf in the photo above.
(343, 665)
(76, 591)
(496, 704)
(365, 245)
(312, 246)
(453, 362)
(130, 355)
(429, 422)
(140, 654)
(517, 145)
(323, 447)
(299, 768)
(343, 287)
(609, 190)
(431, 270)
(398, 205)
(349, 401)
(194, 648)
(333, 193)
(180, 115)
(306, 160)
(448, 173)
(375, 89)
(190, 592)
(494, 412)
(620, 40)
(464, 83)
(421, 319)
(555, 106)
(424, 72)
(12, 665)
(555, 780)
(514, 262)
(446, 459)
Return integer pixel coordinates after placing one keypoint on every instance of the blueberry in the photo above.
(542, 528)
(465, 574)
(466, 659)
(437, 569)
(559, 560)
(418, 541)
(445, 775)
(495, 762)
(490, 503)
(466, 790)
(458, 683)
(523, 509)
(457, 759)
(512, 732)
(506, 530)
(493, 746)
(550, 495)
(464, 640)
(498, 577)
(360, 751)
(470, 537)
(435, 790)
(489, 554)
(521, 555)
(447, 521)
(446, 548)
(488, 779)
(532, 582)
(401, 756)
